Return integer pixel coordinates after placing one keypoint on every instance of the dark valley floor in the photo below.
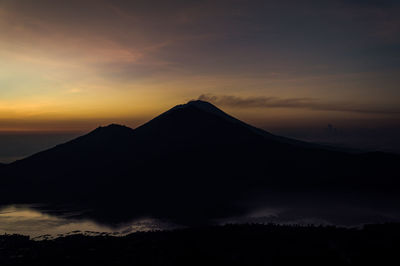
(219, 245)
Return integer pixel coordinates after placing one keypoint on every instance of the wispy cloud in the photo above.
(302, 103)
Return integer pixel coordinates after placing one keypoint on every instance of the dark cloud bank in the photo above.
(303, 103)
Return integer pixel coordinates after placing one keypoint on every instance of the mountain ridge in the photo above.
(117, 129)
(180, 162)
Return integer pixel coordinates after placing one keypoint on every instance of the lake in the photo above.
(40, 222)
(28, 220)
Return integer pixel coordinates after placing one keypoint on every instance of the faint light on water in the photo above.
(28, 221)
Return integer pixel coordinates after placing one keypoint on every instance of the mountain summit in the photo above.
(204, 106)
(194, 160)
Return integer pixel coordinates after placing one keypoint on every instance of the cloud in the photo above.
(301, 103)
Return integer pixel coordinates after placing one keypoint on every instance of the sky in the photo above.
(72, 65)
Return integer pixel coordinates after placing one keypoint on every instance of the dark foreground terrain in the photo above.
(222, 245)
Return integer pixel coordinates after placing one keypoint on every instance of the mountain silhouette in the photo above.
(190, 163)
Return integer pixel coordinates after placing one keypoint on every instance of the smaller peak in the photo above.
(112, 128)
(116, 126)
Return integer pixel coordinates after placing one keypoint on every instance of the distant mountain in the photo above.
(192, 161)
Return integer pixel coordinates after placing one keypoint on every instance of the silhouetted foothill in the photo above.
(192, 163)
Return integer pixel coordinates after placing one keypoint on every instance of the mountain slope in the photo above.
(193, 161)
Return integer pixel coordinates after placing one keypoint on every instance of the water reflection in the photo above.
(316, 215)
(121, 219)
(26, 220)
